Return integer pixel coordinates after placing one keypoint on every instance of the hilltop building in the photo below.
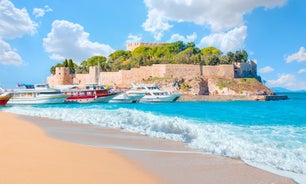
(126, 77)
(133, 45)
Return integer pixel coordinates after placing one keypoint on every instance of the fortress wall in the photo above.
(247, 69)
(111, 77)
(218, 71)
(181, 70)
(83, 79)
(126, 77)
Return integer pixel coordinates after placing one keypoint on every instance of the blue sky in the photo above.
(36, 34)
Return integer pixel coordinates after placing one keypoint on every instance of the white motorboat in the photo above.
(29, 94)
(127, 97)
(152, 93)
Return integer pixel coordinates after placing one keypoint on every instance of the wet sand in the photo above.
(171, 162)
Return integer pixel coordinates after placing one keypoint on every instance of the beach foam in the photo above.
(268, 146)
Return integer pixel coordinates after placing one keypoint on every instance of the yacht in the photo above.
(29, 94)
(128, 97)
(152, 93)
(90, 93)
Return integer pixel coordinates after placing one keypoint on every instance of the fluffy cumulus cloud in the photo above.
(299, 56)
(40, 12)
(301, 71)
(69, 40)
(8, 56)
(288, 81)
(266, 69)
(218, 15)
(187, 39)
(156, 23)
(14, 23)
(228, 41)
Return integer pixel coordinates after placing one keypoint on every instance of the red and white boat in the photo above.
(91, 94)
(5, 97)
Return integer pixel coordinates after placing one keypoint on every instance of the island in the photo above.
(198, 74)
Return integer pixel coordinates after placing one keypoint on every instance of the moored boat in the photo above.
(29, 94)
(89, 94)
(153, 93)
(127, 97)
(5, 97)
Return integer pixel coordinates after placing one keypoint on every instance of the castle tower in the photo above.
(62, 76)
(94, 74)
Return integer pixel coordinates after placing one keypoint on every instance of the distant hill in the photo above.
(280, 89)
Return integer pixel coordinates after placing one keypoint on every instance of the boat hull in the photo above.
(37, 100)
(90, 97)
(170, 98)
(125, 98)
(4, 98)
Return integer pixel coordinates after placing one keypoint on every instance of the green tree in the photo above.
(119, 55)
(230, 57)
(208, 51)
(241, 56)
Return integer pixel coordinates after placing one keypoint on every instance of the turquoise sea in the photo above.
(270, 135)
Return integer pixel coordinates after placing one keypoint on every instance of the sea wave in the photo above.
(280, 147)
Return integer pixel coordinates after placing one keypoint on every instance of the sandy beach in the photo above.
(40, 150)
(29, 156)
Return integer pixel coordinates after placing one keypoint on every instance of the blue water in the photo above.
(269, 134)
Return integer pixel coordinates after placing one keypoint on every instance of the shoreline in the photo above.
(30, 156)
(170, 161)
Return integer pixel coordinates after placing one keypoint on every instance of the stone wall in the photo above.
(226, 71)
(126, 77)
(247, 69)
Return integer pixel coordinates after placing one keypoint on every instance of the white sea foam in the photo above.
(268, 146)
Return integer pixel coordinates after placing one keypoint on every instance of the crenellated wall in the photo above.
(126, 77)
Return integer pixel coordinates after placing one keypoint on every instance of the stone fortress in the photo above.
(124, 78)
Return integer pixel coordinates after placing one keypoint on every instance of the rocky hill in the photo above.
(199, 88)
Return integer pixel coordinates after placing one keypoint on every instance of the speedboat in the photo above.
(152, 93)
(90, 94)
(5, 97)
(29, 94)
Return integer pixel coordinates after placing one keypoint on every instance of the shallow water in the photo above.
(267, 134)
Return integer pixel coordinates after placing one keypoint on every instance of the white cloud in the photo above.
(14, 22)
(134, 38)
(287, 81)
(230, 41)
(266, 69)
(299, 56)
(218, 15)
(69, 40)
(187, 39)
(8, 56)
(156, 23)
(301, 71)
(40, 12)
